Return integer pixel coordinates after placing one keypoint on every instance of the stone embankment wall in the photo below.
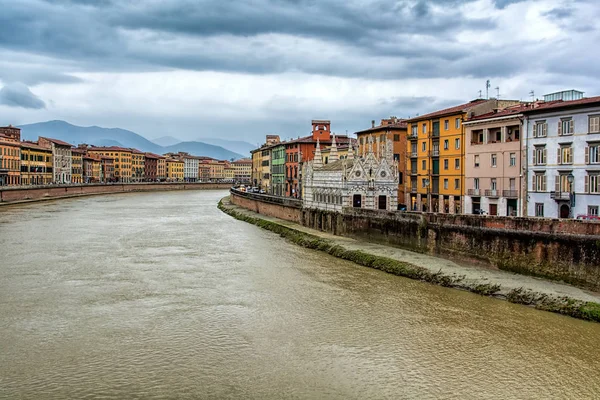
(15, 195)
(567, 250)
(278, 207)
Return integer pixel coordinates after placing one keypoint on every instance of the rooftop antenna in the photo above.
(497, 92)
(487, 89)
(532, 94)
(479, 94)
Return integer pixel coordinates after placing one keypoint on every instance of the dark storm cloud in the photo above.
(19, 95)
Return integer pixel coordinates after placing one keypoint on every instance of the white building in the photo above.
(62, 158)
(562, 150)
(190, 168)
(369, 182)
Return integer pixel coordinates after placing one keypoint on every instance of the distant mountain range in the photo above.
(237, 146)
(95, 135)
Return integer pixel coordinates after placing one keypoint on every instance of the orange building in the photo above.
(394, 130)
(122, 161)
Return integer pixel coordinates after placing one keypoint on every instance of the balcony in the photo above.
(474, 192)
(560, 196)
(510, 194)
(413, 154)
(434, 153)
(413, 190)
(492, 193)
(413, 172)
(413, 136)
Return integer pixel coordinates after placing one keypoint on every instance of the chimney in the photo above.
(372, 123)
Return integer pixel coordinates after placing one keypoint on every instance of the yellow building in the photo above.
(10, 155)
(36, 164)
(242, 170)
(265, 171)
(228, 171)
(137, 166)
(436, 156)
(77, 165)
(92, 168)
(122, 161)
(256, 167)
(174, 169)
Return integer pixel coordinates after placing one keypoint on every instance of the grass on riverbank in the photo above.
(563, 305)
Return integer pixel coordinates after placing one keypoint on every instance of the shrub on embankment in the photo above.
(562, 305)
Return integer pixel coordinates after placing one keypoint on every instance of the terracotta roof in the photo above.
(34, 145)
(153, 156)
(78, 150)
(10, 143)
(402, 125)
(514, 110)
(58, 142)
(558, 104)
(447, 111)
(339, 139)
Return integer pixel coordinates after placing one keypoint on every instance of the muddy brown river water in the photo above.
(161, 295)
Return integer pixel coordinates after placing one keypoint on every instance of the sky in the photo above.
(242, 69)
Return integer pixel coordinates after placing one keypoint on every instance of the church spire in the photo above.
(333, 153)
(318, 160)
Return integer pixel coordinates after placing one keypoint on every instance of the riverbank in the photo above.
(541, 294)
(20, 195)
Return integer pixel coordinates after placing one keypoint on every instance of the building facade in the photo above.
(138, 168)
(190, 168)
(369, 182)
(242, 170)
(436, 155)
(562, 153)
(278, 170)
(10, 162)
(122, 158)
(62, 159)
(36, 164)
(392, 129)
(174, 169)
(77, 165)
(493, 174)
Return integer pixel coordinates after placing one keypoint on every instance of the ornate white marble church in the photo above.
(370, 181)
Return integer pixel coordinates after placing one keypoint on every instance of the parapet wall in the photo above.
(282, 208)
(567, 250)
(14, 195)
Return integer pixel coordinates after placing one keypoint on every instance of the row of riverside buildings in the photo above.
(52, 161)
(487, 156)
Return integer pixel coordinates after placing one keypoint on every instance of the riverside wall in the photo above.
(566, 250)
(37, 193)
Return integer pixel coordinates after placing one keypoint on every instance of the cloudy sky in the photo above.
(242, 69)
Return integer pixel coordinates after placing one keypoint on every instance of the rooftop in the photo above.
(560, 104)
(508, 111)
(402, 125)
(448, 111)
(56, 141)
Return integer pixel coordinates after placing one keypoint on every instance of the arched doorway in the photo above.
(564, 211)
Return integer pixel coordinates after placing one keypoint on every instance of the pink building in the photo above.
(493, 175)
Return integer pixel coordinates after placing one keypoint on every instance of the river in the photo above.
(161, 295)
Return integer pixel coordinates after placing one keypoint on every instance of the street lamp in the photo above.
(571, 179)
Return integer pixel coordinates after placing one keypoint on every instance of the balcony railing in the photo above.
(413, 136)
(510, 193)
(413, 154)
(492, 193)
(434, 153)
(413, 190)
(560, 196)
(474, 192)
(413, 172)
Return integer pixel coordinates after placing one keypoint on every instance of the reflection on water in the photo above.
(160, 295)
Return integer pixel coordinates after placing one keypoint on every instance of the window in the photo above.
(539, 209)
(445, 183)
(564, 155)
(565, 126)
(457, 123)
(476, 183)
(592, 154)
(539, 182)
(457, 143)
(592, 183)
(494, 160)
(539, 155)
(396, 137)
(446, 125)
(594, 124)
(512, 183)
(424, 165)
(415, 130)
(457, 184)
(540, 129)
(423, 146)
(424, 129)
(513, 159)
(593, 210)
(396, 157)
(446, 144)
(446, 164)
(476, 160)
(423, 182)
(493, 183)
(457, 163)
